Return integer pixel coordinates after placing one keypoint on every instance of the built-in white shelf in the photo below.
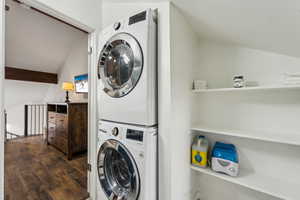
(258, 88)
(283, 138)
(258, 182)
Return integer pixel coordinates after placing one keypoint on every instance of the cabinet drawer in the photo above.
(51, 117)
(51, 136)
(51, 132)
(62, 123)
(60, 116)
(51, 126)
(62, 126)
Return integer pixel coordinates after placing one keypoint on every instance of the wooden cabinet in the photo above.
(67, 127)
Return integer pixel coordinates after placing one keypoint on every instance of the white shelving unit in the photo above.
(258, 88)
(258, 182)
(261, 121)
(282, 138)
(253, 177)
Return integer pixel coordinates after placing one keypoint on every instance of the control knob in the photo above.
(117, 25)
(115, 131)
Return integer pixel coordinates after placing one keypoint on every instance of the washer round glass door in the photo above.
(120, 65)
(118, 173)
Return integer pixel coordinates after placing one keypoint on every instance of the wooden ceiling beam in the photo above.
(13, 73)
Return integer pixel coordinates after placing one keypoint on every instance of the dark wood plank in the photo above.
(78, 127)
(29, 75)
(36, 171)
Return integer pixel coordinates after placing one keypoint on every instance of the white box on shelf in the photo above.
(199, 84)
(291, 79)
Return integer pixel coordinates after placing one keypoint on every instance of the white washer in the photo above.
(127, 162)
(127, 66)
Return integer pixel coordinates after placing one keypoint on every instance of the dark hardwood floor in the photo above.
(35, 171)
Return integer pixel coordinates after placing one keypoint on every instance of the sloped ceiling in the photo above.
(35, 41)
(272, 25)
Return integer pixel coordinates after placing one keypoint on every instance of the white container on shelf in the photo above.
(199, 84)
(225, 159)
(291, 79)
(238, 82)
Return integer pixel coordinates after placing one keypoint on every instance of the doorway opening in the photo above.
(46, 139)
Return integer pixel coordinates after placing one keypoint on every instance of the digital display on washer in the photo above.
(137, 18)
(135, 135)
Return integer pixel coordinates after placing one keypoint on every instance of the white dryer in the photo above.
(127, 162)
(127, 67)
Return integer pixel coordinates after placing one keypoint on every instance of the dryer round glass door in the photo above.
(120, 65)
(118, 172)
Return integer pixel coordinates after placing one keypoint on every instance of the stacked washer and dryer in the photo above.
(127, 96)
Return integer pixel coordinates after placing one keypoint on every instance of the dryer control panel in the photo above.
(135, 135)
(138, 18)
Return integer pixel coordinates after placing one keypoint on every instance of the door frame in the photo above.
(2, 60)
(92, 96)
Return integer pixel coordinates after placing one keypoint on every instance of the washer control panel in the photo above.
(135, 135)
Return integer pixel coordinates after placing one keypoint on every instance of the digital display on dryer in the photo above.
(135, 135)
(137, 18)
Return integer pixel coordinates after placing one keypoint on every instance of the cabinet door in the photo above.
(78, 127)
(62, 125)
(61, 143)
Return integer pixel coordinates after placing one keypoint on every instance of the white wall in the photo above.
(16, 95)
(183, 41)
(219, 62)
(112, 12)
(75, 64)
